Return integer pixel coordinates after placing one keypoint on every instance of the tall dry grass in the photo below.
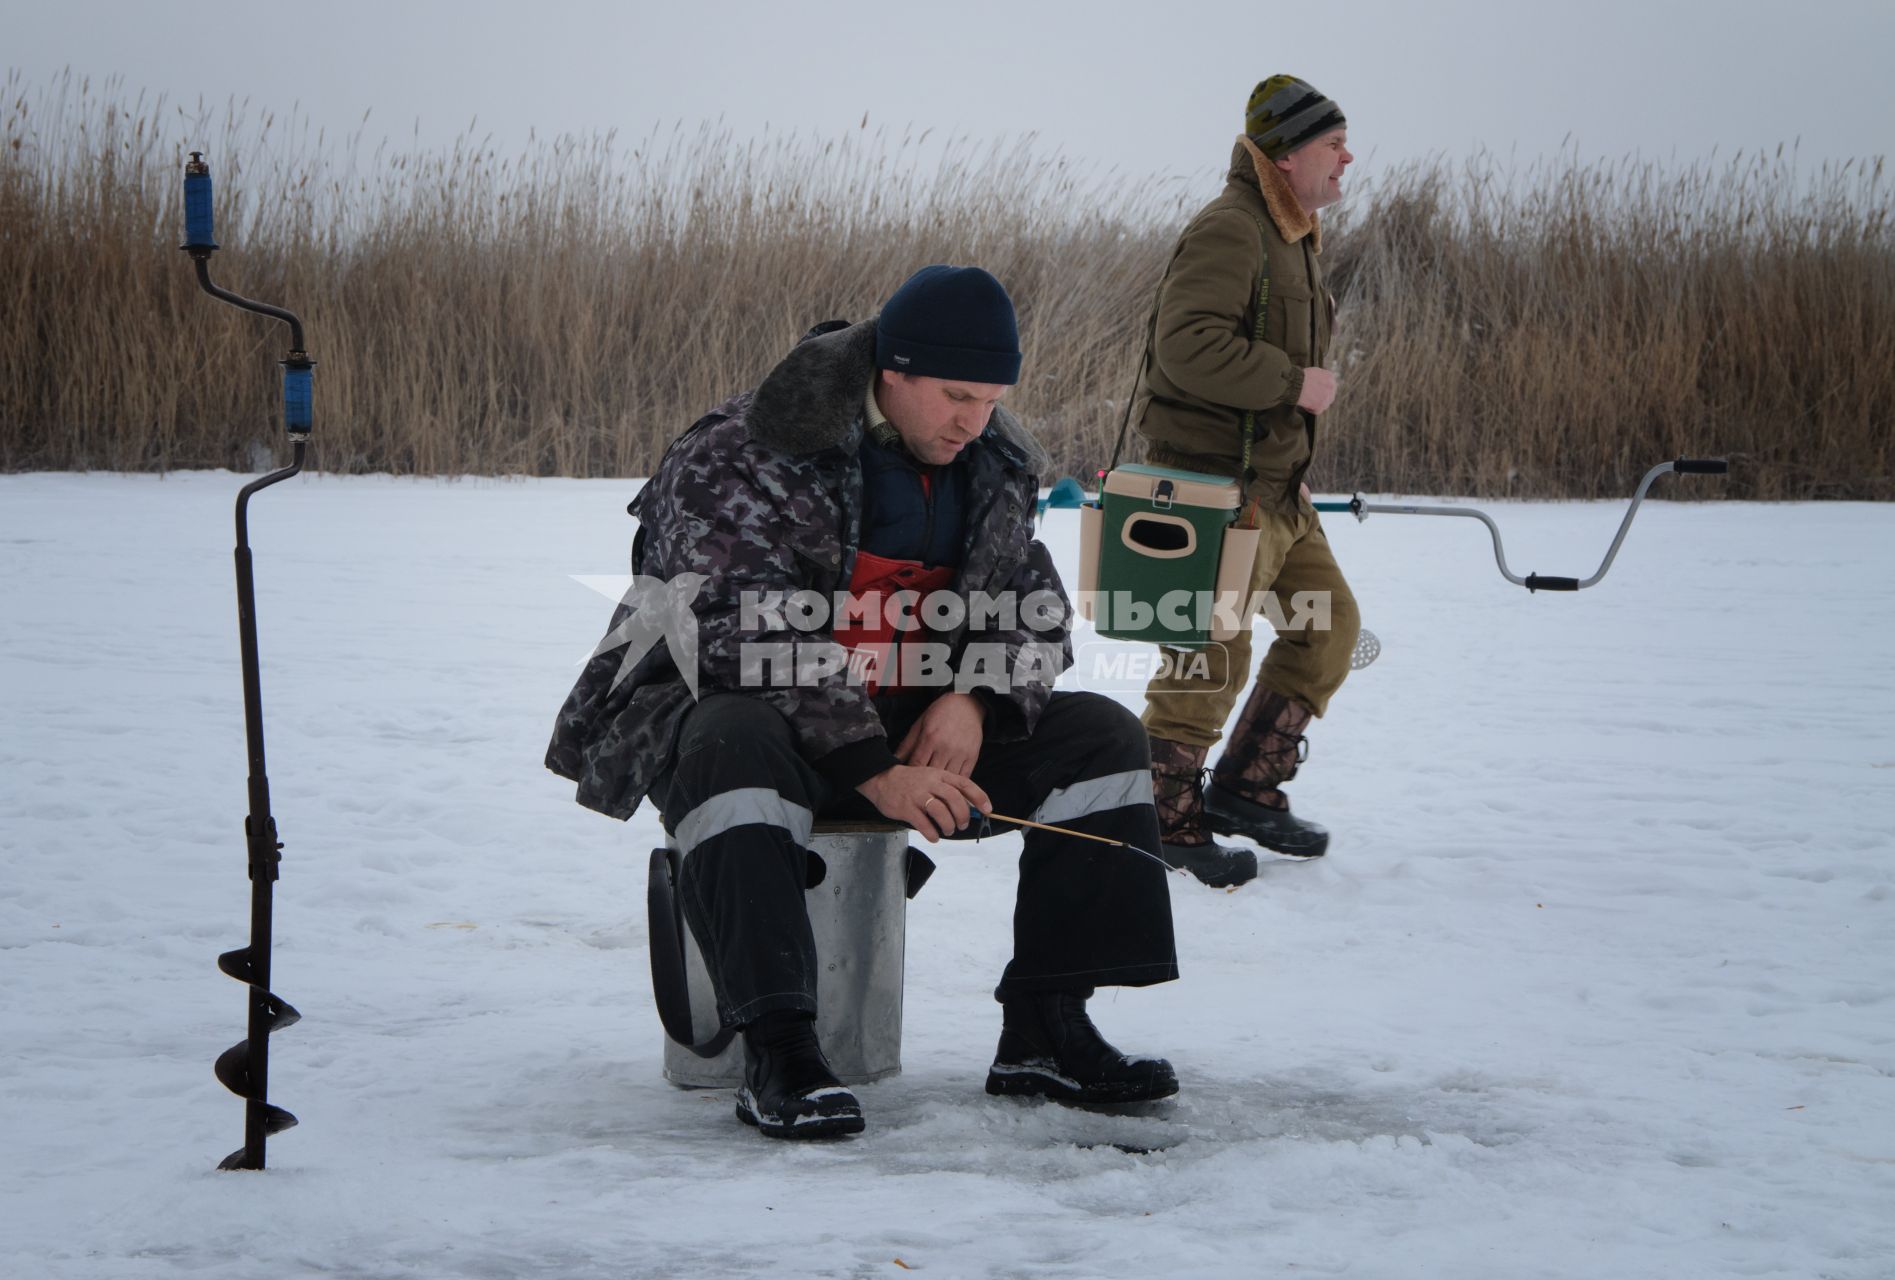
(565, 311)
(1555, 332)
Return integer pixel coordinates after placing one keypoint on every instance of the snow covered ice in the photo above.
(1596, 981)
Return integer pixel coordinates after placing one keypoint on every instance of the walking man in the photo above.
(874, 464)
(1241, 331)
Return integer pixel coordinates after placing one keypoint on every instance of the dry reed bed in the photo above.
(564, 312)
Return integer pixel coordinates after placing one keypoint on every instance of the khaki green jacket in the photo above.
(1205, 365)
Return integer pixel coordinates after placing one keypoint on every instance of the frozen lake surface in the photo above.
(1597, 981)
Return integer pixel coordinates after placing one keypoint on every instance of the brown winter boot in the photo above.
(1177, 774)
(1245, 797)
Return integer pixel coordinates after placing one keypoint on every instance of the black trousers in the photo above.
(739, 801)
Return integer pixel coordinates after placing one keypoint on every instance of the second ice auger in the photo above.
(1362, 510)
(244, 1068)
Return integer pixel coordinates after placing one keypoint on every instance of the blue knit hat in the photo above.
(950, 322)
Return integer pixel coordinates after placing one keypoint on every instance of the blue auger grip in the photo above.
(298, 397)
(197, 211)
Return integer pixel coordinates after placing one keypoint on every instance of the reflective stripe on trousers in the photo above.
(743, 807)
(1095, 795)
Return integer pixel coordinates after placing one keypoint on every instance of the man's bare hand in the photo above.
(1319, 389)
(1303, 492)
(947, 736)
(934, 802)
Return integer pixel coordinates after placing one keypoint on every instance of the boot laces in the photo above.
(1179, 799)
(1264, 755)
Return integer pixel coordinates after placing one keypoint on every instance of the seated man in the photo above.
(874, 461)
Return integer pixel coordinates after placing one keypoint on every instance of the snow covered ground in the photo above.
(1597, 980)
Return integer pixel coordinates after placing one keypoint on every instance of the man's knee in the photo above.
(732, 722)
(1345, 621)
(1108, 732)
(734, 739)
(736, 765)
(1101, 757)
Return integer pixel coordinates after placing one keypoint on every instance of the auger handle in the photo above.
(200, 243)
(1701, 466)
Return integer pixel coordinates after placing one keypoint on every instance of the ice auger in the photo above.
(245, 1066)
(1362, 510)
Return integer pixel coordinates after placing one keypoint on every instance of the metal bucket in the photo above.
(859, 916)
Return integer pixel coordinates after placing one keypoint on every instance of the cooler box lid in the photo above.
(1187, 488)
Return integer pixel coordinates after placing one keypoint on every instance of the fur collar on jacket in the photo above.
(813, 400)
(1293, 221)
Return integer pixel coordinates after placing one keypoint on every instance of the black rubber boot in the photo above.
(1273, 828)
(1245, 795)
(1177, 771)
(1049, 1048)
(789, 1090)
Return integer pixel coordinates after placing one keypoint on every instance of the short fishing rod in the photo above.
(1083, 835)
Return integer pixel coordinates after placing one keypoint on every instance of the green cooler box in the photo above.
(1155, 548)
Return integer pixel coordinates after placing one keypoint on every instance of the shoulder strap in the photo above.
(1256, 335)
(1138, 371)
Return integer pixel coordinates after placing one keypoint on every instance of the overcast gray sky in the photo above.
(1151, 88)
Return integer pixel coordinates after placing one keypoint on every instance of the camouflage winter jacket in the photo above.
(764, 495)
